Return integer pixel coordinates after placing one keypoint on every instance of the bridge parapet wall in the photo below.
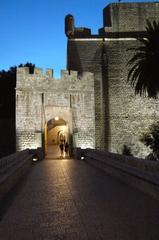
(139, 173)
(12, 168)
(7, 162)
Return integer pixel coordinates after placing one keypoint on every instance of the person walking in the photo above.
(66, 149)
(61, 148)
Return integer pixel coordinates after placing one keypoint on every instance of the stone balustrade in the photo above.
(146, 166)
(12, 169)
(8, 162)
(139, 173)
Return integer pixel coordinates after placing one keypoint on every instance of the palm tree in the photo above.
(144, 72)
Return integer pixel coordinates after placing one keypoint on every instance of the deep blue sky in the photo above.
(33, 30)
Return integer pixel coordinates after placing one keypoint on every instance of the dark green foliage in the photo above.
(151, 139)
(7, 89)
(126, 150)
(144, 72)
(8, 78)
(7, 108)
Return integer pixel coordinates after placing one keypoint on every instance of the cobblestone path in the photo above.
(68, 199)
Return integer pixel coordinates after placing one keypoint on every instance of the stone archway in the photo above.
(58, 127)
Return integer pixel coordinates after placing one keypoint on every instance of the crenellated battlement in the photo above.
(23, 72)
(45, 80)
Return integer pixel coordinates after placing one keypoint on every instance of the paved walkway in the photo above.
(53, 152)
(71, 200)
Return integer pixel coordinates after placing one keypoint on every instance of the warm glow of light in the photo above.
(63, 129)
(56, 118)
(32, 145)
(84, 146)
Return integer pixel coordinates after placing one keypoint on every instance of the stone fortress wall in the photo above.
(40, 98)
(120, 116)
(129, 17)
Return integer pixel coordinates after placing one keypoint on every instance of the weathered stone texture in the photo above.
(40, 98)
(120, 117)
(85, 55)
(129, 17)
(130, 115)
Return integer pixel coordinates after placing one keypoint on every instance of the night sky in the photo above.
(33, 30)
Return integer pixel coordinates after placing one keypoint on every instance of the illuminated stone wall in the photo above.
(120, 117)
(40, 97)
(85, 55)
(129, 116)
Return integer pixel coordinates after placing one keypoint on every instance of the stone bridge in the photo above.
(93, 196)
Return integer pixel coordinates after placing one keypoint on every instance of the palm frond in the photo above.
(144, 73)
(138, 57)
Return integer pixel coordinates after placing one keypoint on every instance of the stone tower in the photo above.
(120, 116)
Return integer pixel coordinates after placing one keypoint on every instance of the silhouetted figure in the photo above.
(64, 140)
(66, 148)
(61, 148)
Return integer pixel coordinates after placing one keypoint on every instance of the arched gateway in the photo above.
(49, 109)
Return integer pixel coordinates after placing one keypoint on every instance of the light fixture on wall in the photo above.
(56, 118)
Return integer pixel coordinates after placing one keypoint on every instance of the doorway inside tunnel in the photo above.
(56, 133)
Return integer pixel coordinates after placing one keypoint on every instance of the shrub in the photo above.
(151, 139)
(126, 150)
